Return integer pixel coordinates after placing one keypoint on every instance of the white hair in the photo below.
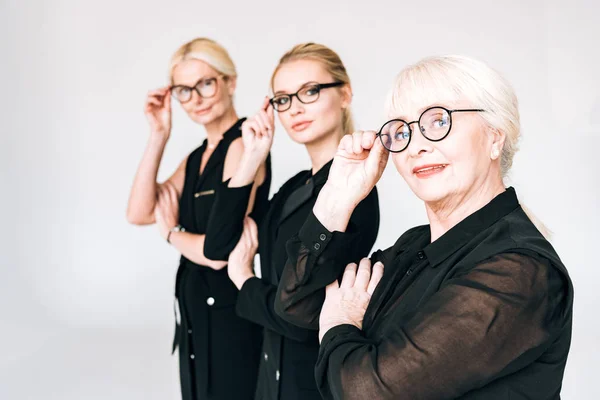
(451, 79)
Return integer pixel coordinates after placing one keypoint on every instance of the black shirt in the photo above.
(289, 352)
(483, 312)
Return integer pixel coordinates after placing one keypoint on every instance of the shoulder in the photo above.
(236, 148)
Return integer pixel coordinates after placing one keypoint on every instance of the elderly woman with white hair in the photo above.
(474, 305)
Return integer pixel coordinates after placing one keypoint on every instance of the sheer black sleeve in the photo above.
(317, 257)
(484, 323)
(255, 302)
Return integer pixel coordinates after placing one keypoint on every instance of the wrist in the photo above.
(324, 328)
(173, 232)
(159, 137)
(246, 171)
(334, 208)
(240, 278)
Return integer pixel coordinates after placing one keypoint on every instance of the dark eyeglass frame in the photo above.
(410, 131)
(195, 87)
(319, 86)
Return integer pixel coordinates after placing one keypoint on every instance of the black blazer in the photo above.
(289, 352)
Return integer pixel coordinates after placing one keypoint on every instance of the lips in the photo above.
(203, 111)
(424, 171)
(300, 126)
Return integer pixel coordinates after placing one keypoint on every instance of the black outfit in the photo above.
(289, 352)
(218, 351)
(483, 312)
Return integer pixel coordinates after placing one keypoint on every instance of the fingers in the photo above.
(159, 92)
(158, 98)
(270, 114)
(363, 275)
(268, 125)
(253, 230)
(265, 103)
(253, 126)
(357, 142)
(173, 195)
(247, 235)
(378, 157)
(331, 287)
(261, 125)
(346, 144)
(376, 275)
(368, 139)
(168, 100)
(160, 194)
(349, 276)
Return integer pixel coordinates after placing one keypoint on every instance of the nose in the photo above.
(418, 143)
(296, 107)
(196, 98)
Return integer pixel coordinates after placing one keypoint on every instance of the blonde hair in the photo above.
(454, 78)
(206, 50)
(332, 63)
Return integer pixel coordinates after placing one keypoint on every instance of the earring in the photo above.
(495, 153)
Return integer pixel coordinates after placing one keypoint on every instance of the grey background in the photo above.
(86, 299)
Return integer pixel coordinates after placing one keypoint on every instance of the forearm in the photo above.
(256, 303)
(142, 200)
(192, 247)
(246, 171)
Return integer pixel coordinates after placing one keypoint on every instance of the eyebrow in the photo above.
(197, 82)
(303, 85)
(422, 109)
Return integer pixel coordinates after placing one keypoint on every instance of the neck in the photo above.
(215, 129)
(322, 150)
(444, 214)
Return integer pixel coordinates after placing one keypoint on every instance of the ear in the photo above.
(497, 143)
(346, 92)
(231, 84)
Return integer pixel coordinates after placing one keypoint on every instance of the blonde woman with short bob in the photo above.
(474, 305)
(218, 351)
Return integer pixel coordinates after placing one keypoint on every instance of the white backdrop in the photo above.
(86, 299)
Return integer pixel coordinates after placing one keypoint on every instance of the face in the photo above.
(204, 110)
(457, 165)
(308, 123)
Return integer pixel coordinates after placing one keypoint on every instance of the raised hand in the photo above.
(358, 165)
(158, 112)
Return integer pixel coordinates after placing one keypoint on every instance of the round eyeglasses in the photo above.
(309, 93)
(434, 123)
(206, 88)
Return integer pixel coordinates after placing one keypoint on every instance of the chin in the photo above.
(206, 119)
(429, 192)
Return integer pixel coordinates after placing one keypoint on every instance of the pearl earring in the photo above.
(494, 154)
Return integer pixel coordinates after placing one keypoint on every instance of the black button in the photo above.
(409, 271)
(323, 237)
(307, 181)
(420, 255)
(317, 246)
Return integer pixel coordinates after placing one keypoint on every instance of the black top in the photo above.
(483, 312)
(289, 352)
(216, 346)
